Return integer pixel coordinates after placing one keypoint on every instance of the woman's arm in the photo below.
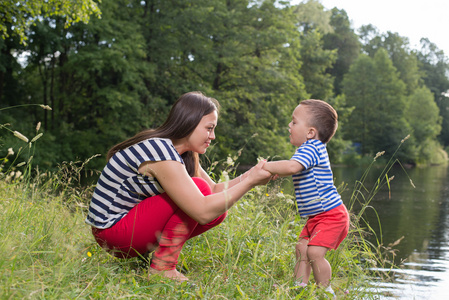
(177, 183)
(219, 187)
(283, 167)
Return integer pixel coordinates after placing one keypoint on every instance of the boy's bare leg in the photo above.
(322, 271)
(302, 267)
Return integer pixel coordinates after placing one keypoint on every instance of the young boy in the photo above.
(313, 124)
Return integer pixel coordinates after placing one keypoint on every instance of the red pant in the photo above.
(156, 223)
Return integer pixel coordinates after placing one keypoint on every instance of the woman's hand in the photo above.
(257, 175)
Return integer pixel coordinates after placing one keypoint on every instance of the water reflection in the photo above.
(420, 216)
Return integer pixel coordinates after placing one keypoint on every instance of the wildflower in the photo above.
(21, 164)
(89, 254)
(36, 137)
(10, 151)
(391, 178)
(289, 201)
(267, 194)
(10, 176)
(259, 159)
(20, 136)
(46, 107)
(18, 174)
(378, 154)
(225, 176)
(346, 292)
(406, 138)
(229, 161)
(38, 126)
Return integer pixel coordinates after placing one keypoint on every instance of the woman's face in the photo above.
(199, 140)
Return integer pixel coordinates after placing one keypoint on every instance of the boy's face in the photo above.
(299, 128)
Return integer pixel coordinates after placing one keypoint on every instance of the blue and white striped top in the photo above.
(121, 187)
(314, 187)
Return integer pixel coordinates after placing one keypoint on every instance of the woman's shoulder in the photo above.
(158, 140)
(160, 149)
(152, 142)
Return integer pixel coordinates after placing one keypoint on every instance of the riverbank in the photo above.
(48, 252)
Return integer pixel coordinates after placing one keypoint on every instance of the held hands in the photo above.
(258, 176)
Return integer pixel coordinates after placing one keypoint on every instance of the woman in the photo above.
(153, 194)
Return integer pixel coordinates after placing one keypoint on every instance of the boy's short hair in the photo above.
(324, 118)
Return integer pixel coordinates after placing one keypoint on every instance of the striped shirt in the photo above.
(121, 187)
(314, 187)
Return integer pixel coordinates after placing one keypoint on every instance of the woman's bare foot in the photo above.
(170, 274)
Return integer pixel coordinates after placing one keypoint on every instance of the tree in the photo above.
(358, 87)
(114, 76)
(313, 21)
(9, 66)
(435, 66)
(256, 77)
(310, 15)
(404, 60)
(20, 15)
(94, 77)
(17, 24)
(425, 121)
(347, 44)
(374, 89)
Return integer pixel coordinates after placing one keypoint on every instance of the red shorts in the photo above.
(327, 229)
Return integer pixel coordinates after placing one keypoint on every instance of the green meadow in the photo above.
(48, 252)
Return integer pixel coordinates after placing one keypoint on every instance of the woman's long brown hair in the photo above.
(184, 117)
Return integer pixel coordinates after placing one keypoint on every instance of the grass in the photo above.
(48, 252)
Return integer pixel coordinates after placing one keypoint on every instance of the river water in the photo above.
(420, 216)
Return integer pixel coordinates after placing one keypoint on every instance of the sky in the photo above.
(413, 19)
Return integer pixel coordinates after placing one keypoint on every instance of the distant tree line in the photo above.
(119, 72)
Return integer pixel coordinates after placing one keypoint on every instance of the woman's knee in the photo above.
(202, 185)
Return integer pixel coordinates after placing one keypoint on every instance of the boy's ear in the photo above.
(312, 133)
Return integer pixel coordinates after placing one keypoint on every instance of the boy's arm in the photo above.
(283, 167)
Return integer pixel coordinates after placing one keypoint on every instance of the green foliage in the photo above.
(347, 44)
(112, 77)
(313, 22)
(434, 64)
(338, 148)
(254, 77)
(250, 255)
(316, 61)
(21, 15)
(404, 61)
(310, 15)
(425, 124)
(372, 86)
